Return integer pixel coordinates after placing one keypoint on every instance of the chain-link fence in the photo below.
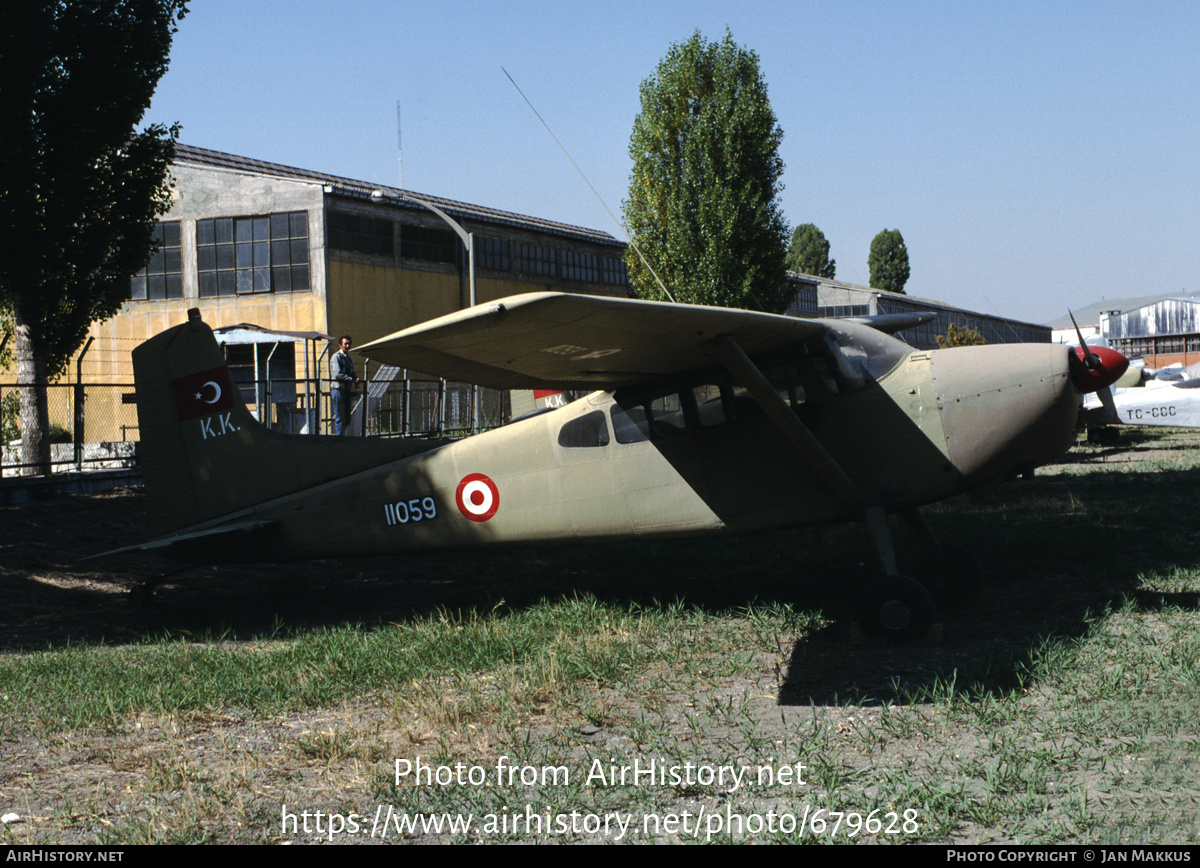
(92, 426)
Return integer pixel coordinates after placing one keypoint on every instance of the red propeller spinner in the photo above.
(1094, 368)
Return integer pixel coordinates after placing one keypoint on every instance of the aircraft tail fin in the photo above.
(204, 456)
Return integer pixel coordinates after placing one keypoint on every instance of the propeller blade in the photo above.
(1089, 357)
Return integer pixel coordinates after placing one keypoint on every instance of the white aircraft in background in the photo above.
(1167, 397)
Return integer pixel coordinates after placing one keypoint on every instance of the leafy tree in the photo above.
(82, 187)
(960, 336)
(702, 202)
(809, 252)
(888, 261)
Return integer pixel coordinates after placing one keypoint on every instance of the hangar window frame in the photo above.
(534, 259)
(162, 278)
(253, 255)
(580, 266)
(358, 233)
(613, 271)
(492, 252)
(428, 244)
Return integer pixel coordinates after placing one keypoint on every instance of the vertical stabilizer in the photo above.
(205, 458)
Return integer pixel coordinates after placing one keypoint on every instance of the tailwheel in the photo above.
(897, 609)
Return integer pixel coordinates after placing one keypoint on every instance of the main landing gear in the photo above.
(901, 609)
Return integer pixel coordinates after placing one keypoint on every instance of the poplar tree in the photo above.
(809, 252)
(82, 187)
(702, 204)
(888, 261)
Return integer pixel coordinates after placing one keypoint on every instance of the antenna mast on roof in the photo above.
(399, 149)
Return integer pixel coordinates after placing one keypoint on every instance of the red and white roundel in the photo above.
(477, 497)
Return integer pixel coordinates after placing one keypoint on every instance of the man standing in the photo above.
(341, 369)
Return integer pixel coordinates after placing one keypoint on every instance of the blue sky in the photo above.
(1035, 155)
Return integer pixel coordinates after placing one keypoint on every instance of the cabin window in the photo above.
(630, 424)
(666, 416)
(655, 419)
(586, 431)
(713, 404)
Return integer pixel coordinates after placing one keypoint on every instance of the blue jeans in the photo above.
(341, 409)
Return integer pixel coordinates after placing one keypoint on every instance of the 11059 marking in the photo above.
(404, 511)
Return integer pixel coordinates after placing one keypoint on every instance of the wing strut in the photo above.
(735, 360)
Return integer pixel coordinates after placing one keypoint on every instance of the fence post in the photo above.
(366, 393)
(78, 425)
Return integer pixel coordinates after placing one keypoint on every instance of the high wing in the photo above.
(562, 340)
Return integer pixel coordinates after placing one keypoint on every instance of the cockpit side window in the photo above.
(657, 418)
(589, 430)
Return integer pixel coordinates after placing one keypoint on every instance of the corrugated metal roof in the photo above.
(188, 154)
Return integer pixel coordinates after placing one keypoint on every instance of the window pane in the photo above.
(206, 232)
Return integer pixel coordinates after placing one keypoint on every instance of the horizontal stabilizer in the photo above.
(192, 546)
(562, 340)
(890, 323)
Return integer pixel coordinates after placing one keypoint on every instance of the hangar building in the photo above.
(1162, 329)
(303, 255)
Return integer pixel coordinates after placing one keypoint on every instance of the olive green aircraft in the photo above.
(692, 421)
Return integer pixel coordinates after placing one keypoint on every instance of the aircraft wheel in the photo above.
(898, 609)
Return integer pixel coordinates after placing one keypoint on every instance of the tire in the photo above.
(897, 609)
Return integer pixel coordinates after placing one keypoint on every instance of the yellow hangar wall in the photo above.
(348, 292)
(372, 301)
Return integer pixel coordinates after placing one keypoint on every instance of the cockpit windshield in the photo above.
(864, 354)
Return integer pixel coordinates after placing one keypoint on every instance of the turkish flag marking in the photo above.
(203, 393)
